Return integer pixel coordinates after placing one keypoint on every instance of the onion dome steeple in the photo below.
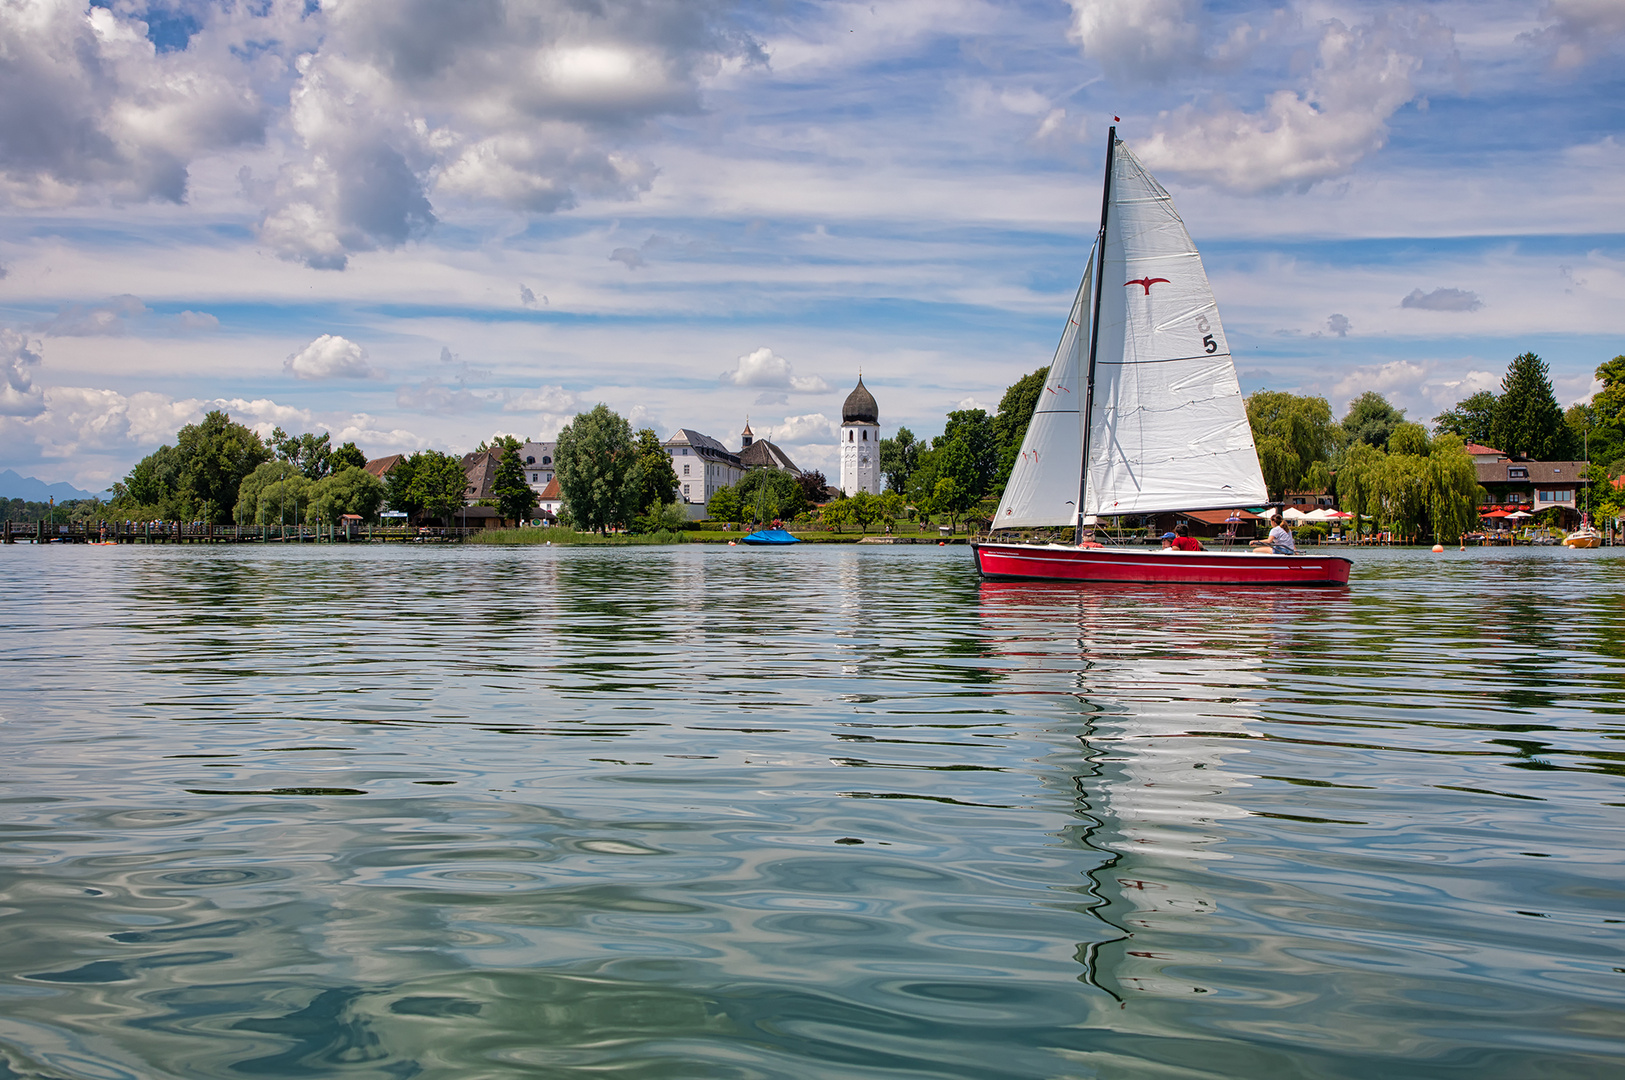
(860, 407)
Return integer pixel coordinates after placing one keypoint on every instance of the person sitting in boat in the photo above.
(1183, 541)
(1280, 541)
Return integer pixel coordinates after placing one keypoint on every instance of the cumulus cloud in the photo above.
(331, 357)
(544, 399)
(1362, 75)
(1139, 39)
(1339, 325)
(766, 369)
(799, 430)
(1396, 376)
(108, 319)
(18, 394)
(522, 104)
(1578, 31)
(88, 102)
(1442, 300)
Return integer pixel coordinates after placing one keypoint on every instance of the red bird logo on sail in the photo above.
(1147, 282)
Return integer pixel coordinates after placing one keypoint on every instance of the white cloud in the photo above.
(544, 399)
(1395, 377)
(197, 320)
(799, 430)
(18, 394)
(433, 396)
(1442, 300)
(1139, 40)
(1363, 74)
(766, 369)
(109, 319)
(1579, 32)
(331, 357)
(1339, 325)
(88, 104)
(631, 257)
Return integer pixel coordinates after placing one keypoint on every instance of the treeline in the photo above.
(62, 513)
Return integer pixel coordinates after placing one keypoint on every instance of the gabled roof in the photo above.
(763, 454)
(1539, 472)
(380, 467)
(552, 490)
(1479, 450)
(703, 445)
(480, 467)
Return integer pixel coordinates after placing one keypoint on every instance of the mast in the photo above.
(1094, 333)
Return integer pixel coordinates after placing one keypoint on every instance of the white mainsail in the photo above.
(1043, 485)
(1169, 429)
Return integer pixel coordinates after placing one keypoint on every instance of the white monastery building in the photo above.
(860, 442)
(702, 465)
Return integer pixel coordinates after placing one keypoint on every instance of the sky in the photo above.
(417, 224)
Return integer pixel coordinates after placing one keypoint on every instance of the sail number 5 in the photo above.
(1202, 327)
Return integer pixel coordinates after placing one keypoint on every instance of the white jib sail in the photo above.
(1043, 485)
(1169, 430)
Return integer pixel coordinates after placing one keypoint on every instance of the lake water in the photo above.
(823, 812)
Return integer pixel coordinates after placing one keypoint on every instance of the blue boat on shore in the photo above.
(770, 538)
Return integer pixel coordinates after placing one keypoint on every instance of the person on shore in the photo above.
(1183, 541)
(1280, 541)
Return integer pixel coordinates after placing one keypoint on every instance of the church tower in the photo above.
(860, 442)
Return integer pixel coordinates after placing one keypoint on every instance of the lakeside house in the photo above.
(702, 465)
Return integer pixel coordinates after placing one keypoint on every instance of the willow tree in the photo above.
(1360, 482)
(1295, 437)
(1453, 489)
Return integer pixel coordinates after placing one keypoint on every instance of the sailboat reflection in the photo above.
(1168, 686)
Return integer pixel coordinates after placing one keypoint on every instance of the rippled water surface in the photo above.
(827, 812)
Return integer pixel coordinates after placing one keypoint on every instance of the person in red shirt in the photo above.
(1183, 540)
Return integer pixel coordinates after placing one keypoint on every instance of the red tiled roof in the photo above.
(1477, 448)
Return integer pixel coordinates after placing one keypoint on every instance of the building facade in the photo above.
(860, 442)
(537, 457)
(702, 465)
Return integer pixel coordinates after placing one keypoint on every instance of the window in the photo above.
(865, 434)
(1553, 496)
(849, 436)
(685, 470)
(1517, 474)
(685, 489)
(546, 460)
(530, 461)
(533, 478)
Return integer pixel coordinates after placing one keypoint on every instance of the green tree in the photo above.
(310, 452)
(1010, 425)
(1453, 489)
(217, 453)
(248, 510)
(951, 498)
(724, 505)
(1408, 438)
(152, 488)
(515, 498)
(865, 509)
(349, 490)
(1473, 418)
(1606, 415)
(1295, 436)
(398, 486)
(348, 454)
(899, 456)
(836, 515)
(438, 485)
(1360, 480)
(973, 429)
(659, 486)
(1370, 420)
(501, 442)
(766, 494)
(1528, 421)
(284, 502)
(598, 469)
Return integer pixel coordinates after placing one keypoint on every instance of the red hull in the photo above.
(1056, 562)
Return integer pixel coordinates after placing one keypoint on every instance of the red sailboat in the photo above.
(1141, 413)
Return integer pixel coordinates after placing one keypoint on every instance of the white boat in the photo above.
(1144, 358)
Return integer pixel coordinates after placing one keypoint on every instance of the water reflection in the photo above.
(820, 813)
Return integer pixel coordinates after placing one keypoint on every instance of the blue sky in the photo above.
(415, 224)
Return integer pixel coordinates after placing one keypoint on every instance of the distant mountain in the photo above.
(13, 486)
